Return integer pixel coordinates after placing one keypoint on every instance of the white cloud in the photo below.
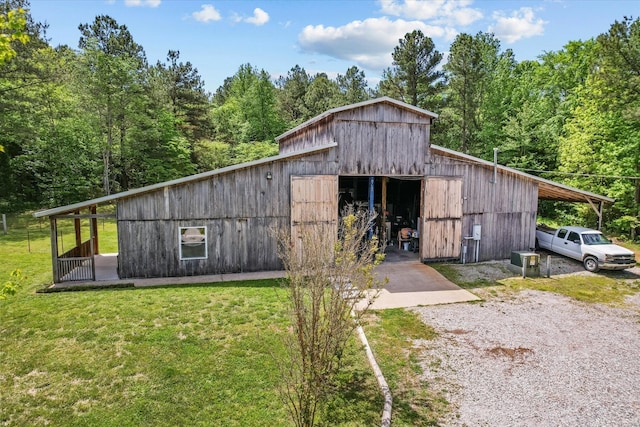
(135, 3)
(449, 12)
(520, 24)
(260, 17)
(206, 14)
(368, 43)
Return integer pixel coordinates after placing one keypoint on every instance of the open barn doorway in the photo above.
(397, 202)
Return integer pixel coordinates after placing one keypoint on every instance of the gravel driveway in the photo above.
(536, 359)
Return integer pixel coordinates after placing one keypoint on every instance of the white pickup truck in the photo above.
(584, 244)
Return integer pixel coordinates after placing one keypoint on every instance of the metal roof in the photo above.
(187, 179)
(381, 100)
(547, 190)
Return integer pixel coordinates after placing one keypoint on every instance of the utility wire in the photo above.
(590, 175)
(463, 162)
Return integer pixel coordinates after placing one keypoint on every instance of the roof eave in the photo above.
(333, 111)
(187, 179)
(585, 196)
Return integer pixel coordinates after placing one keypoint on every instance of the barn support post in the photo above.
(600, 215)
(597, 210)
(383, 208)
(371, 196)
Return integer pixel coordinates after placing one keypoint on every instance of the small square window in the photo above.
(193, 243)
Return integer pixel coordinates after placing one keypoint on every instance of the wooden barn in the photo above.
(373, 154)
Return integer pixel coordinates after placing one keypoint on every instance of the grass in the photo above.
(632, 246)
(27, 245)
(452, 272)
(396, 337)
(143, 357)
(188, 355)
(590, 289)
(182, 355)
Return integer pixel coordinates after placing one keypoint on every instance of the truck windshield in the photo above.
(595, 239)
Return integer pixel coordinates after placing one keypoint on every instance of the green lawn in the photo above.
(188, 355)
(397, 338)
(601, 289)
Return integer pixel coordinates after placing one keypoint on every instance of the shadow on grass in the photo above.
(404, 405)
(620, 274)
(260, 283)
(356, 390)
(455, 275)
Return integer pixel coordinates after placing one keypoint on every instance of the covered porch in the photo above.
(83, 260)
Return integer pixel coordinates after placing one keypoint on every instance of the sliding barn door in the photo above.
(314, 208)
(441, 228)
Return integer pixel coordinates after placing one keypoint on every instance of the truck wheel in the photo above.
(591, 264)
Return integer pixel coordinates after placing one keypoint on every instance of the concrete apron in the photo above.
(412, 283)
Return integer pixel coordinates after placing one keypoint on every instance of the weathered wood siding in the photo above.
(321, 133)
(381, 139)
(314, 209)
(378, 139)
(441, 225)
(240, 209)
(370, 148)
(506, 210)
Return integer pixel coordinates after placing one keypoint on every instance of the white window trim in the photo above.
(205, 241)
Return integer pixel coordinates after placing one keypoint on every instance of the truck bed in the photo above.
(546, 229)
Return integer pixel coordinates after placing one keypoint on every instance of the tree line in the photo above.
(78, 123)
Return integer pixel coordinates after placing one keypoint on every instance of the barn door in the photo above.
(441, 228)
(314, 208)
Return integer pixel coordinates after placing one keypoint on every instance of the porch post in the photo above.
(94, 224)
(78, 230)
(92, 234)
(54, 248)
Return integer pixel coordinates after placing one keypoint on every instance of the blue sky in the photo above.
(330, 35)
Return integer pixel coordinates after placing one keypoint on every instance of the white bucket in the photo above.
(405, 246)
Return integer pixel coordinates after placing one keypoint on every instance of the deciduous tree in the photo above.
(330, 285)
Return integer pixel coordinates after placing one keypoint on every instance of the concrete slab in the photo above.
(106, 267)
(411, 283)
(231, 277)
(413, 276)
(387, 299)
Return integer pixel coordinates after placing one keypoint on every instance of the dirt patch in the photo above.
(512, 353)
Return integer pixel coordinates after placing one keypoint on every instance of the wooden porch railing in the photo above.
(76, 264)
